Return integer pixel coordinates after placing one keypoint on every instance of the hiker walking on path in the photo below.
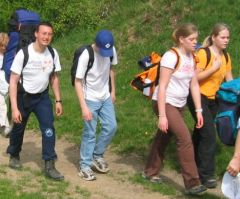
(97, 103)
(213, 68)
(29, 87)
(177, 76)
(4, 122)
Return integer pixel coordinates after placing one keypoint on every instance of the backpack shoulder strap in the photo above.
(51, 51)
(91, 59)
(53, 56)
(178, 58)
(225, 55)
(208, 55)
(175, 67)
(25, 55)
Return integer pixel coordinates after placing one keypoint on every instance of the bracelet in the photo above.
(58, 101)
(198, 110)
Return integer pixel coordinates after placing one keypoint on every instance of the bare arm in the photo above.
(16, 115)
(195, 91)
(234, 165)
(56, 90)
(86, 113)
(165, 75)
(229, 76)
(113, 91)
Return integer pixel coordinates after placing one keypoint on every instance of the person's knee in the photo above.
(113, 127)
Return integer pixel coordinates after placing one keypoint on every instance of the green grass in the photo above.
(140, 27)
(32, 184)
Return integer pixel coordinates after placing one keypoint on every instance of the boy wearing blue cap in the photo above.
(96, 95)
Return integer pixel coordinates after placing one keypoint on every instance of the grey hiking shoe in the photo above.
(87, 174)
(51, 171)
(100, 165)
(154, 179)
(14, 162)
(197, 190)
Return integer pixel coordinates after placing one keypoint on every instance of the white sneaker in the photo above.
(87, 174)
(100, 165)
(7, 131)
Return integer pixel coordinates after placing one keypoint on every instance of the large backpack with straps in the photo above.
(25, 60)
(21, 25)
(147, 80)
(229, 111)
(76, 56)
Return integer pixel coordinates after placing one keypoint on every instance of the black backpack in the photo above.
(77, 54)
(21, 27)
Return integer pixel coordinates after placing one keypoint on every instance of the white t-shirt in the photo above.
(37, 70)
(179, 83)
(96, 87)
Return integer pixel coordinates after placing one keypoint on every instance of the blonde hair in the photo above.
(217, 28)
(183, 30)
(3, 41)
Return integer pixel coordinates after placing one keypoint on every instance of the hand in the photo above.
(199, 123)
(58, 109)
(86, 114)
(113, 96)
(163, 124)
(16, 116)
(234, 166)
(217, 63)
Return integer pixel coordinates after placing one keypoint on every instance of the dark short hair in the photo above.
(44, 23)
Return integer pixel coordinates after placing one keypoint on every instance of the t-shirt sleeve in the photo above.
(17, 64)
(115, 58)
(169, 60)
(202, 59)
(82, 64)
(57, 61)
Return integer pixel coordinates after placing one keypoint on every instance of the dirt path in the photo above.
(114, 185)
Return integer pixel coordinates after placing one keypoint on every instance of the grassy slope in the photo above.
(139, 27)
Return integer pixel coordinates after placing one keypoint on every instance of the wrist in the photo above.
(161, 115)
(58, 101)
(236, 156)
(199, 110)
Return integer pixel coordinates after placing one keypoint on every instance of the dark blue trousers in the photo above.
(41, 106)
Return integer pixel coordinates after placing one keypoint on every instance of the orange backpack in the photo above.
(147, 81)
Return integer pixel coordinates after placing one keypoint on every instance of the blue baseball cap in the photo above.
(104, 41)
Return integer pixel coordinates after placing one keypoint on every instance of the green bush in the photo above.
(64, 15)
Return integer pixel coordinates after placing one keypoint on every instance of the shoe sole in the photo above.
(152, 180)
(87, 179)
(197, 193)
(97, 169)
(56, 179)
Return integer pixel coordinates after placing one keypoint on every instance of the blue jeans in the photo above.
(92, 147)
(41, 106)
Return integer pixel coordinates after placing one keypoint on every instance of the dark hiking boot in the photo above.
(210, 183)
(196, 190)
(51, 171)
(14, 162)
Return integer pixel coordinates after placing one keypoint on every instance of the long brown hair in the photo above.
(217, 28)
(3, 41)
(183, 30)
